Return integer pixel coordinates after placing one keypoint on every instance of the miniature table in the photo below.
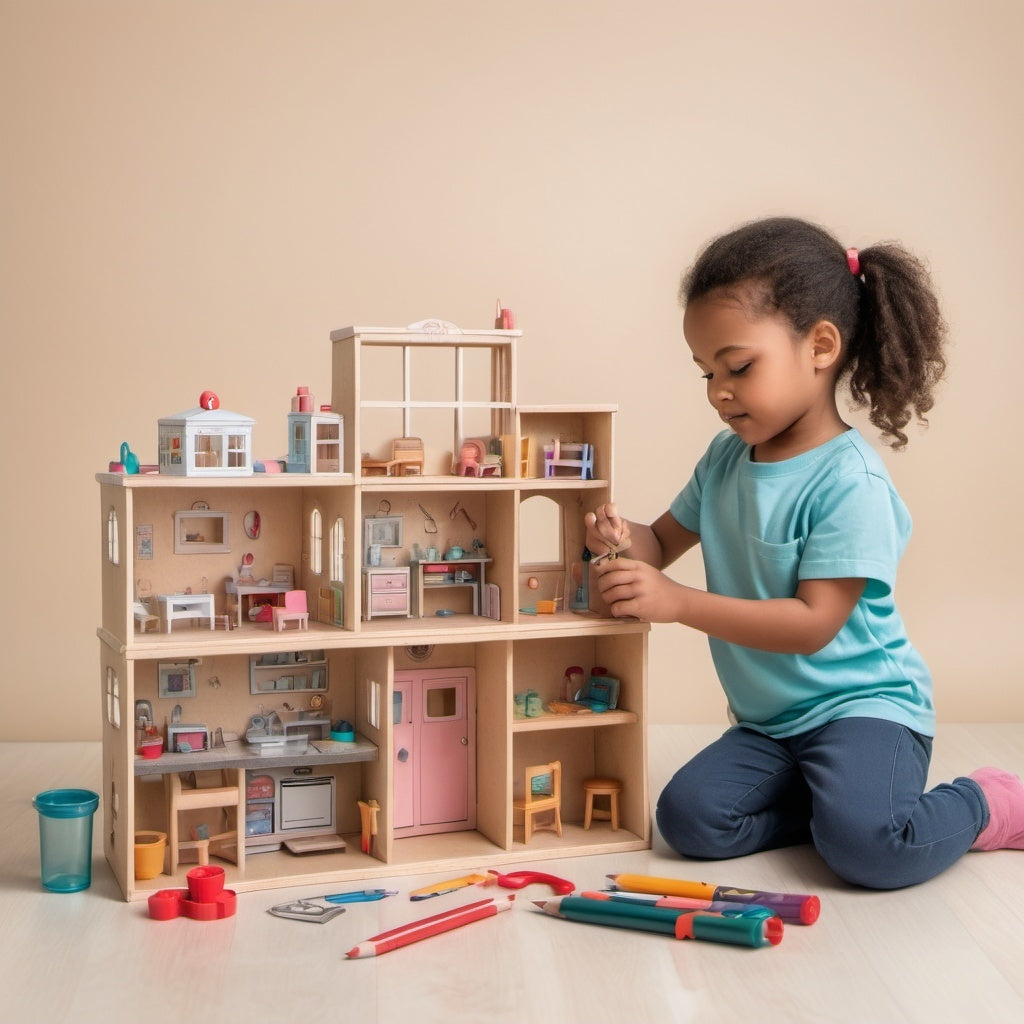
(472, 566)
(251, 590)
(185, 606)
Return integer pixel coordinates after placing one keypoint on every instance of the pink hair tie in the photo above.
(853, 260)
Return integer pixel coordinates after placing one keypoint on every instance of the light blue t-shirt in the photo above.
(829, 513)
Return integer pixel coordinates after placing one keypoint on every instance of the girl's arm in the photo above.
(802, 624)
(659, 544)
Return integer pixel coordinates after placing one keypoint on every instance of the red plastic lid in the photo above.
(810, 910)
(166, 904)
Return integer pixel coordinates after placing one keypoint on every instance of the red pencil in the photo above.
(407, 934)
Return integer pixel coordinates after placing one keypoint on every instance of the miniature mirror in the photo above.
(540, 532)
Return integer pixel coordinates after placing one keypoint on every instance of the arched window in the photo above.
(113, 698)
(316, 542)
(113, 548)
(337, 555)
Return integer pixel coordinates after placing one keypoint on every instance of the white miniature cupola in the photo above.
(206, 441)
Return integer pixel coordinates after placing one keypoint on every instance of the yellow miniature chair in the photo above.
(294, 610)
(542, 794)
(407, 456)
(229, 844)
(601, 786)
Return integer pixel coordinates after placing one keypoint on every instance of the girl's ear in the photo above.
(826, 344)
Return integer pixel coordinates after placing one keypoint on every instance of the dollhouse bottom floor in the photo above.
(949, 949)
(454, 853)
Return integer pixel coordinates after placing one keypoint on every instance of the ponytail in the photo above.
(895, 359)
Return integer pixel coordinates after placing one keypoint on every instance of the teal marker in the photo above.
(681, 924)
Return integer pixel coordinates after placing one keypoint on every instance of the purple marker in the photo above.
(794, 908)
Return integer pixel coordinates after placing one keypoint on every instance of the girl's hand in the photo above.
(606, 530)
(638, 590)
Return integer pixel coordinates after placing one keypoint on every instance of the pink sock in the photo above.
(1004, 794)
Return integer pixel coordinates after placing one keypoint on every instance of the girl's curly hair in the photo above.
(888, 316)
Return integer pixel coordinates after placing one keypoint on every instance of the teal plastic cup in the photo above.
(65, 838)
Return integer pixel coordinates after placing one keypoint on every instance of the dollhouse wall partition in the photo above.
(485, 571)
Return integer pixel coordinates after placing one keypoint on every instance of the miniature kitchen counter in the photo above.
(239, 754)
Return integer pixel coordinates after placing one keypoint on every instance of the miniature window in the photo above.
(441, 702)
(201, 531)
(383, 530)
(237, 457)
(113, 691)
(113, 553)
(373, 707)
(540, 532)
(316, 542)
(337, 550)
(441, 391)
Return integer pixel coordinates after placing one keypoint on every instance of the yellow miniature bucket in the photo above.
(149, 853)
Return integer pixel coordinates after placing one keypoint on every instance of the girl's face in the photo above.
(774, 388)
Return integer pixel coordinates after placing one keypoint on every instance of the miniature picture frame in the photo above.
(176, 679)
(385, 531)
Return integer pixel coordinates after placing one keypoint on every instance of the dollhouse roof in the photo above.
(212, 417)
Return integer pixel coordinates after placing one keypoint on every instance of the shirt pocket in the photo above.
(776, 567)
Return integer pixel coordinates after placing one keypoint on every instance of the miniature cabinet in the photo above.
(385, 592)
(363, 665)
(315, 442)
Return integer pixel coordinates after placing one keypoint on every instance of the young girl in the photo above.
(801, 530)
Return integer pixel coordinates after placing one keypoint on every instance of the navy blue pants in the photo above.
(855, 788)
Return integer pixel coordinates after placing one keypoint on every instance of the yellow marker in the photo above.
(440, 888)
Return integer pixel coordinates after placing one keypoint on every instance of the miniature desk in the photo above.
(251, 590)
(185, 606)
(474, 566)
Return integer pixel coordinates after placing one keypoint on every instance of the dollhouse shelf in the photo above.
(314, 522)
(606, 719)
(236, 754)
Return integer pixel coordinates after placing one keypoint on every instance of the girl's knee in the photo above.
(683, 822)
(866, 859)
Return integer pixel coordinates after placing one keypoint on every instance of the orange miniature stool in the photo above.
(601, 786)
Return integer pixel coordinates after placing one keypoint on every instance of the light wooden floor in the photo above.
(949, 950)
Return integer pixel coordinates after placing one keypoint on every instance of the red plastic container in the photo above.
(205, 882)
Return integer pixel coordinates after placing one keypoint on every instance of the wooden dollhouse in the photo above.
(363, 710)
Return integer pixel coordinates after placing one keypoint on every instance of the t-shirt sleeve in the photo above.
(685, 507)
(860, 530)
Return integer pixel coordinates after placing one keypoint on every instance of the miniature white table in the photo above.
(251, 590)
(186, 606)
(450, 568)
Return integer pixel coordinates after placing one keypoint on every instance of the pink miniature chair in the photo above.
(475, 460)
(293, 610)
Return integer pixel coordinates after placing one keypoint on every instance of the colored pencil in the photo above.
(415, 931)
(723, 907)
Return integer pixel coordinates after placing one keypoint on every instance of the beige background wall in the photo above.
(194, 194)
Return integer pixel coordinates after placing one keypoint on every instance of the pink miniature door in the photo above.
(435, 751)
